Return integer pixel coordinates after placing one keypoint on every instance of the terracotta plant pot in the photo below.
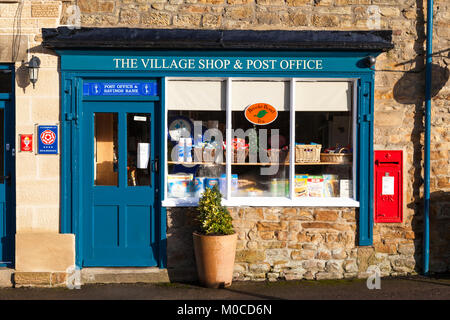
(215, 259)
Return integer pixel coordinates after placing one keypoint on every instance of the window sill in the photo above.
(268, 202)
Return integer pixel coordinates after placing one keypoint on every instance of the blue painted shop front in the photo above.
(121, 224)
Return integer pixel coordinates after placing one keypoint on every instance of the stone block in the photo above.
(46, 86)
(45, 109)
(297, 3)
(45, 10)
(239, 13)
(49, 167)
(6, 276)
(44, 252)
(156, 19)
(37, 192)
(326, 215)
(250, 256)
(6, 49)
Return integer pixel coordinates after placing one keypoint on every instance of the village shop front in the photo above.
(147, 117)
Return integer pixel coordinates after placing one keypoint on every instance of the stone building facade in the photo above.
(273, 242)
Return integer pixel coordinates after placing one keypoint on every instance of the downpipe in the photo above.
(427, 141)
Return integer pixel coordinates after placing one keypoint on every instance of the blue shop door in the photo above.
(7, 197)
(120, 184)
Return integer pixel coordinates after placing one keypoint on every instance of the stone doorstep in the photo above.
(39, 279)
(6, 277)
(88, 276)
(124, 275)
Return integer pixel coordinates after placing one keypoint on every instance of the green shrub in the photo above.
(213, 217)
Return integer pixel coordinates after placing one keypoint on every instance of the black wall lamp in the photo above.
(370, 61)
(33, 69)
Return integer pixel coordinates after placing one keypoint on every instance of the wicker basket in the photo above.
(278, 156)
(339, 157)
(198, 154)
(209, 154)
(307, 153)
(239, 156)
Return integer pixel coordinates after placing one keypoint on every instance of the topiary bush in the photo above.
(213, 217)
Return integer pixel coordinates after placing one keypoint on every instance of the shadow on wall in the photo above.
(410, 89)
(181, 223)
(439, 235)
(22, 74)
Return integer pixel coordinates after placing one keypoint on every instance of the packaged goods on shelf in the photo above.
(210, 182)
(223, 183)
(199, 186)
(279, 187)
(301, 185)
(179, 185)
(188, 150)
(346, 188)
(330, 185)
(315, 186)
(180, 149)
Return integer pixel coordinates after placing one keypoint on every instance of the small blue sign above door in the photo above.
(120, 89)
(47, 140)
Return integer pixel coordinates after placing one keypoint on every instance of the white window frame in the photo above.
(291, 200)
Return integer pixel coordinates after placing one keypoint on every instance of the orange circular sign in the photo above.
(261, 113)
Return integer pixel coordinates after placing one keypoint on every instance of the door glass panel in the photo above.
(2, 146)
(139, 149)
(105, 149)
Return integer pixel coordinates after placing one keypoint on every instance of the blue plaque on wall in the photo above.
(47, 139)
(120, 89)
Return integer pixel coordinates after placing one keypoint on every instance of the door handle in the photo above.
(155, 165)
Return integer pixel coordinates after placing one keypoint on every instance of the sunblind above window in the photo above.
(323, 96)
(196, 95)
(211, 95)
(245, 93)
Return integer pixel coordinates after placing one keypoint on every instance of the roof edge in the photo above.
(136, 38)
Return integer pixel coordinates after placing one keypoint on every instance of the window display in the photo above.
(289, 139)
(327, 161)
(195, 152)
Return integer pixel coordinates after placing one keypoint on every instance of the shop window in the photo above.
(262, 169)
(290, 141)
(195, 139)
(323, 139)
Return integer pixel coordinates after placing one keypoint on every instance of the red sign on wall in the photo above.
(26, 142)
(388, 186)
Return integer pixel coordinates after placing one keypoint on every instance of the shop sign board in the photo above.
(47, 139)
(26, 142)
(120, 89)
(261, 113)
(232, 63)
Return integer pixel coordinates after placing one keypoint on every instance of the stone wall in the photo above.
(295, 243)
(399, 89)
(39, 246)
(398, 125)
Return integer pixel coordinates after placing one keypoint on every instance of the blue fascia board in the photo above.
(161, 61)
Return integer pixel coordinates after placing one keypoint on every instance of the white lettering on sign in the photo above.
(219, 64)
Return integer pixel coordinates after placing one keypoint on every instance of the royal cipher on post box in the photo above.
(388, 186)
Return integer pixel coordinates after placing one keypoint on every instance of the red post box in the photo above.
(388, 186)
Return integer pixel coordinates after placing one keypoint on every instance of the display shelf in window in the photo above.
(265, 163)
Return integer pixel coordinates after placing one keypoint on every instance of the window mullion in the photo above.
(228, 136)
(292, 140)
